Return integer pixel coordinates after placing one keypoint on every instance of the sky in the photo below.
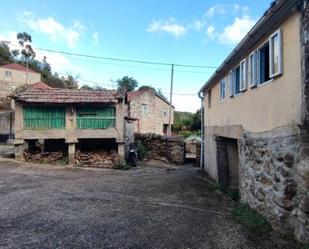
(200, 32)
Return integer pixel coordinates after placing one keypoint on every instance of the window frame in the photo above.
(231, 83)
(242, 76)
(252, 69)
(8, 73)
(271, 54)
(222, 93)
(209, 97)
(258, 66)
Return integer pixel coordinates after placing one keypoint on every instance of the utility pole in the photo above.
(169, 130)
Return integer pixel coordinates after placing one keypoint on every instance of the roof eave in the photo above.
(272, 16)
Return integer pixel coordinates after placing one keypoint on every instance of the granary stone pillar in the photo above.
(71, 142)
(71, 153)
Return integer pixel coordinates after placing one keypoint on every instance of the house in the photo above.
(256, 118)
(15, 75)
(150, 112)
(69, 119)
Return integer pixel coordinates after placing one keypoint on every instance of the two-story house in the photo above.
(15, 75)
(71, 118)
(256, 118)
(150, 111)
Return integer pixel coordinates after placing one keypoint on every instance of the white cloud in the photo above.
(235, 32)
(54, 29)
(170, 26)
(216, 10)
(95, 38)
(211, 31)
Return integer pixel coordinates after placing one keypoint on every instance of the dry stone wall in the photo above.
(274, 175)
(166, 149)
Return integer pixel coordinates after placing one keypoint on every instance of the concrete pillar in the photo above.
(121, 153)
(71, 153)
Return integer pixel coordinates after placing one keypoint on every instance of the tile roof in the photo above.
(40, 85)
(66, 96)
(18, 67)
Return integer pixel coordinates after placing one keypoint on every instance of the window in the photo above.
(44, 117)
(263, 64)
(164, 112)
(222, 89)
(275, 54)
(252, 69)
(209, 98)
(92, 117)
(236, 80)
(243, 76)
(8, 74)
(231, 83)
(144, 108)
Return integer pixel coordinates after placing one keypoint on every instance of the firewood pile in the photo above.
(100, 158)
(47, 157)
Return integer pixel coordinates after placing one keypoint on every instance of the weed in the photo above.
(121, 167)
(142, 150)
(250, 218)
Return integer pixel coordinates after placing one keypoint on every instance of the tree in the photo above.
(70, 81)
(5, 54)
(160, 94)
(196, 121)
(27, 53)
(147, 88)
(128, 82)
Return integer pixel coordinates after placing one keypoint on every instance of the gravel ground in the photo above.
(157, 207)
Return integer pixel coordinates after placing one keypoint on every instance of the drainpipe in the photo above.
(201, 96)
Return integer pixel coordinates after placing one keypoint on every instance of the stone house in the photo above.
(150, 112)
(256, 118)
(15, 75)
(70, 118)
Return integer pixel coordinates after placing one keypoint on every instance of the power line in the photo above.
(120, 59)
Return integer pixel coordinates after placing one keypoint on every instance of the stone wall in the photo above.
(166, 149)
(274, 179)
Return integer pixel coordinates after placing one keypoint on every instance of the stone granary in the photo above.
(256, 118)
(71, 119)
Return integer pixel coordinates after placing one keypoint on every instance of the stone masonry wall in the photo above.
(274, 179)
(166, 149)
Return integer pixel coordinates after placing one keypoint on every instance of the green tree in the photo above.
(128, 82)
(5, 54)
(160, 94)
(196, 121)
(27, 53)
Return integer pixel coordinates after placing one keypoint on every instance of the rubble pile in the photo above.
(99, 158)
(46, 157)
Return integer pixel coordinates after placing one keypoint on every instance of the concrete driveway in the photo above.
(57, 207)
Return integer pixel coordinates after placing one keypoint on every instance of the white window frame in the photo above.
(271, 54)
(243, 75)
(144, 109)
(222, 91)
(231, 83)
(252, 69)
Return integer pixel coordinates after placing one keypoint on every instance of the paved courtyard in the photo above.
(58, 207)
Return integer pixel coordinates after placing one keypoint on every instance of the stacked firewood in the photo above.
(99, 158)
(48, 157)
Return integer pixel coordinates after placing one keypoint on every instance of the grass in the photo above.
(121, 167)
(248, 217)
(233, 193)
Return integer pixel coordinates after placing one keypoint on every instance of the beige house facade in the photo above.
(13, 76)
(150, 112)
(255, 116)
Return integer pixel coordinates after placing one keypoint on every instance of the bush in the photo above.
(142, 150)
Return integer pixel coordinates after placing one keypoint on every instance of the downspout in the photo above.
(201, 96)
